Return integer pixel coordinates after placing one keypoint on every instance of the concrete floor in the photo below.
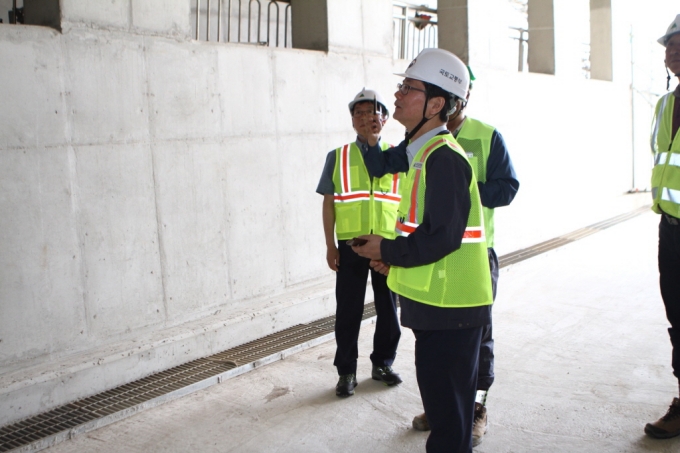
(582, 363)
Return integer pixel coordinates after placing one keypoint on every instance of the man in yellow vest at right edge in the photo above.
(666, 193)
(438, 263)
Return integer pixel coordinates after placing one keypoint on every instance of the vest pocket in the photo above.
(347, 218)
(388, 221)
(418, 278)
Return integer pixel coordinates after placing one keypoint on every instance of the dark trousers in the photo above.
(669, 282)
(486, 376)
(446, 368)
(350, 291)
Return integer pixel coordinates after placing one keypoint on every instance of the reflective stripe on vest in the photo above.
(475, 138)
(460, 279)
(657, 122)
(405, 227)
(667, 194)
(663, 158)
(347, 195)
(666, 171)
(345, 180)
(363, 204)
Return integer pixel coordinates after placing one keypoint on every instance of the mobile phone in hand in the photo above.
(356, 242)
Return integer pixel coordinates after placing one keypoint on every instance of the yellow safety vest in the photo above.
(666, 149)
(461, 278)
(475, 138)
(363, 205)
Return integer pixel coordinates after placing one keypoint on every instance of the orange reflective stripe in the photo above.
(414, 190)
(387, 197)
(395, 183)
(472, 234)
(352, 196)
(406, 226)
(345, 168)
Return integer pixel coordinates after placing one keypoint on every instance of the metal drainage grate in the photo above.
(85, 415)
(529, 252)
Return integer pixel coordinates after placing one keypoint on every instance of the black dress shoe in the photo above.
(346, 384)
(386, 375)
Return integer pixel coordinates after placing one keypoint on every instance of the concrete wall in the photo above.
(157, 193)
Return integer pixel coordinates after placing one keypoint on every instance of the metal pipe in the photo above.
(219, 18)
(239, 21)
(207, 18)
(413, 41)
(520, 66)
(269, 21)
(632, 107)
(250, 21)
(229, 21)
(286, 14)
(198, 16)
(259, 20)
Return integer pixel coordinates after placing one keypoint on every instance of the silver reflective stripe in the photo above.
(660, 158)
(671, 195)
(670, 158)
(657, 120)
(654, 191)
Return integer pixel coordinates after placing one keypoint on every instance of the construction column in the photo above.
(309, 26)
(453, 26)
(541, 56)
(601, 40)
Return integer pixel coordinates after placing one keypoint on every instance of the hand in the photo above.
(370, 128)
(333, 258)
(370, 249)
(380, 267)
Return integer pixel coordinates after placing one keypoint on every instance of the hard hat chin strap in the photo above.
(668, 78)
(415, 130)
(456, 110)
(425, 119)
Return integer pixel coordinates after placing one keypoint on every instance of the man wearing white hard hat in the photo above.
(438, 264)
(356, 203)
(498, 185)
(666, 194)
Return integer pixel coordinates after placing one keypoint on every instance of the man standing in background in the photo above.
(355, 203)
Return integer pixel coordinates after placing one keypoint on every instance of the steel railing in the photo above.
(243, 21)
(16, 14)
(415, 28)
(523, 41)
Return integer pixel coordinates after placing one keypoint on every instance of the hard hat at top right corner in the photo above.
(673, 29)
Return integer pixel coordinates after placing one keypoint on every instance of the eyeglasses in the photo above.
(363, 113)
(405, 88)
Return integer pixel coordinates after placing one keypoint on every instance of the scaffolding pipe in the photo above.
(207, 18)
(219, 18)
(198, 17)
(286, 12)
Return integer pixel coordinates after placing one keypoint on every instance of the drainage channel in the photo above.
(524, 254)
(52, 427)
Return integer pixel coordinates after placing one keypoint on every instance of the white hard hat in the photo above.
(673, 28)
(366, 94)
(441, 68)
